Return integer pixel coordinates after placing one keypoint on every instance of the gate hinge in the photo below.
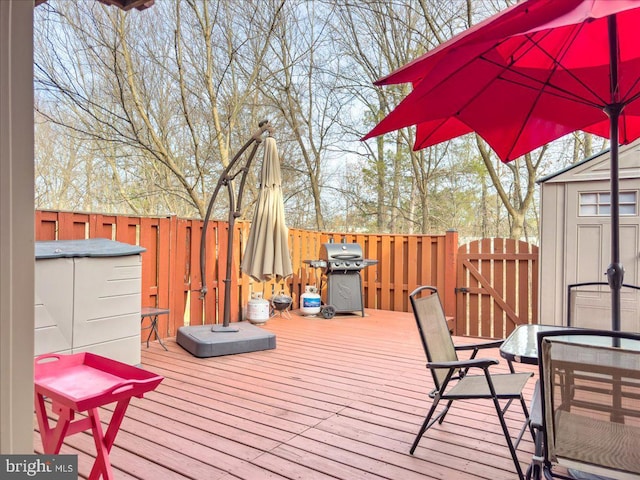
(462, 290)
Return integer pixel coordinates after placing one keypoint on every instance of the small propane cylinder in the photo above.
(257, 309)
(310, 301)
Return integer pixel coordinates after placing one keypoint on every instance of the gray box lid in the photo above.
(93, 247)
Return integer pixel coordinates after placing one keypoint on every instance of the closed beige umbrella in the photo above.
(267, 253)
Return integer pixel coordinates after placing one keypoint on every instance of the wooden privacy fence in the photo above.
(171, 263)
(497, 287)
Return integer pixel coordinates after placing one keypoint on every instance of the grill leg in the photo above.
(360, 290)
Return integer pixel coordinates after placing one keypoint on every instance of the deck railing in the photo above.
(171, 263)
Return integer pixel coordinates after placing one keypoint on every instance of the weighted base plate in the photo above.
(208, 341)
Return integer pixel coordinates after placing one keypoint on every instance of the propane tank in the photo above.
(310, 301)
(257, 309)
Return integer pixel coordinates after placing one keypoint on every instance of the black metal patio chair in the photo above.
(451, 375)
(589, 302)
(590, 404)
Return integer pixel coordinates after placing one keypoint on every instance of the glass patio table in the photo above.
(522, 345)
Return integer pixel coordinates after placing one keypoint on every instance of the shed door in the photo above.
(588, 254)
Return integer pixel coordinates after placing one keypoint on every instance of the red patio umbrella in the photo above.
(529, 75)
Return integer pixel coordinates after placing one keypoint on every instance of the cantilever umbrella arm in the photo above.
(226, 180)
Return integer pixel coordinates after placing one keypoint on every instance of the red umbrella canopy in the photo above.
(527, 76)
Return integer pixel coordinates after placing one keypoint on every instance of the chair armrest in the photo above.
(535, 415)
(479, 346)
(474, 362)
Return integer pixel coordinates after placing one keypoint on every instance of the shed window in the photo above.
(595, 204)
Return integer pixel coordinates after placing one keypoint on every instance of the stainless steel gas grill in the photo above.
(341, 265)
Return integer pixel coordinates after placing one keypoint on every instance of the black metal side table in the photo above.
(152, 314)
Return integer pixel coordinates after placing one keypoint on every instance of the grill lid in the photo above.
(343, 256)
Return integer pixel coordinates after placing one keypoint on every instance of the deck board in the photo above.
(337, 399)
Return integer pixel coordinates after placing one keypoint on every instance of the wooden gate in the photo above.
(497, 287)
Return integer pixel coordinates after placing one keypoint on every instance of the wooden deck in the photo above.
(337, 399)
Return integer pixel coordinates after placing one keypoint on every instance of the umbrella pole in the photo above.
(615, 271)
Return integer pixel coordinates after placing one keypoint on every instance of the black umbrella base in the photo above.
(215, 340)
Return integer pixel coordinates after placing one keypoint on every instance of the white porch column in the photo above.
(16, 226)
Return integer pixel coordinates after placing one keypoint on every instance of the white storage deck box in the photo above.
(87, 298)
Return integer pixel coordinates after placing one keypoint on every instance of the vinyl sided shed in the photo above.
(575, 240)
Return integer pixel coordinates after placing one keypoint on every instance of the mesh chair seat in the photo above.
(506, 385)
(602, 442)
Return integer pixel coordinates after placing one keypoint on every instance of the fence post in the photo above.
(176, 317)
(450, 265)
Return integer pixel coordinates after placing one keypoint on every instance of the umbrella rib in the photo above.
(555, 91)
(472, 98)
(418, 146)
(527, 41)
(530, 42)
(558, 65)
(634, 97)
(543, 87)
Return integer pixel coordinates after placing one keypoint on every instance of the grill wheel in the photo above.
(328, 311)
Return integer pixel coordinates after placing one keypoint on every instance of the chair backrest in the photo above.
(589, 306)
(590, 390)
(433, 328)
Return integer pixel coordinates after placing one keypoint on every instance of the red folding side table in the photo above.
(83, 382)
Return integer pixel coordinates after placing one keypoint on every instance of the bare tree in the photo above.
(428, 24)
(140, 113)
(299, 82)
(162, 97)
(378, 37)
